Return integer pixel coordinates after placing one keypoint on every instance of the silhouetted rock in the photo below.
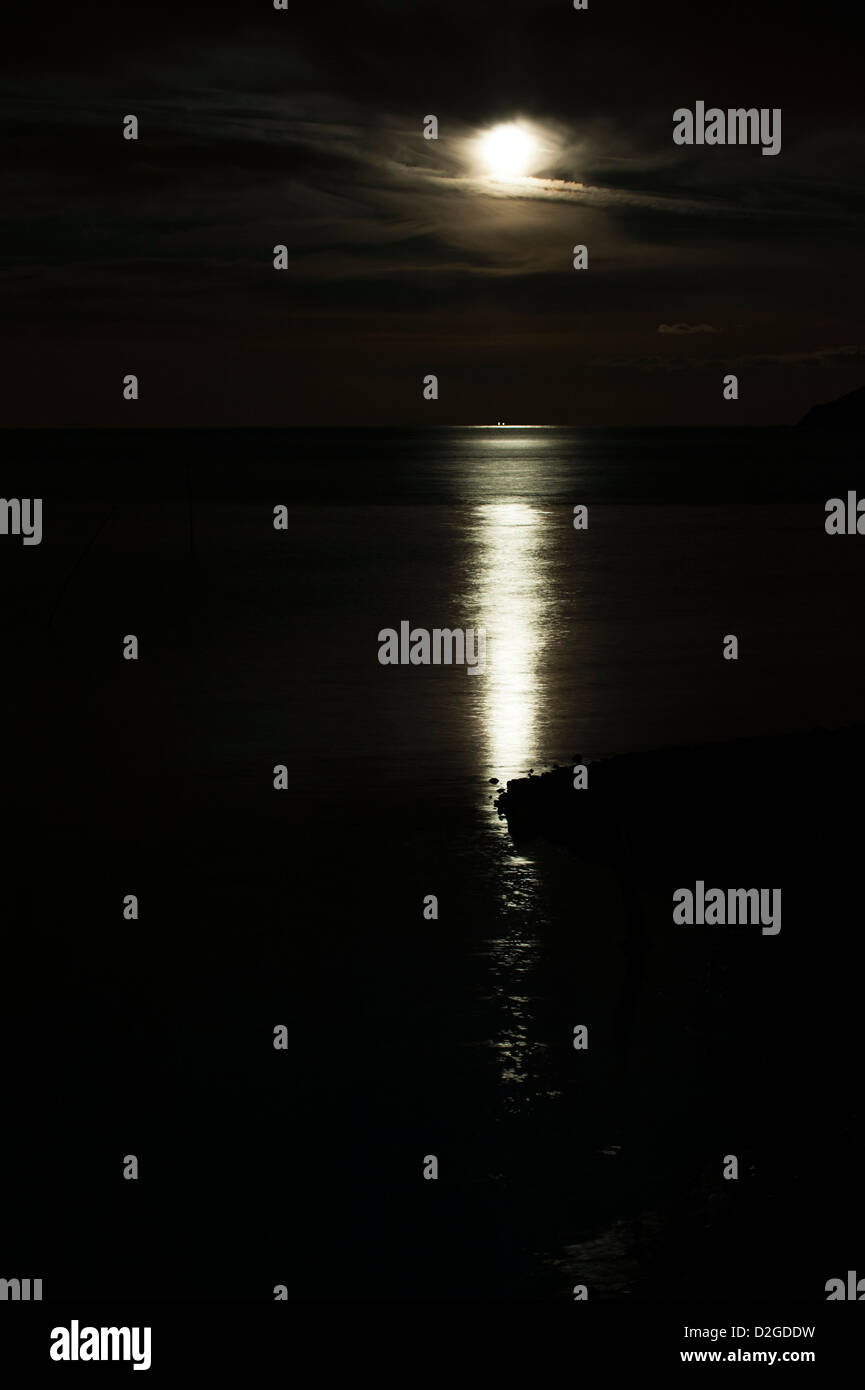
(847, 412)
(760, 803)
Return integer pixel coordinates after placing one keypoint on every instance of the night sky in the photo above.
(304, 127)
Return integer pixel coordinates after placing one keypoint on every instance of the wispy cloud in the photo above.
(685, 328)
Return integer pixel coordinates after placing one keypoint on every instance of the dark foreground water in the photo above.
(411, 1037)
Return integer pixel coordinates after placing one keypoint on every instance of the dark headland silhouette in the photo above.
(768, 801)
(847, 412)
(765, 1021)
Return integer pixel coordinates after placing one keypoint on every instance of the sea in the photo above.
(428, 971)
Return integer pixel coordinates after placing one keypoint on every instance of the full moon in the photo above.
(507, 150)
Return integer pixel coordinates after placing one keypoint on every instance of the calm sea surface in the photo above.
(259, 647)
(598, 640)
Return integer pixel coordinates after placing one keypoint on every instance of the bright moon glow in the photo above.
(507, 150)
